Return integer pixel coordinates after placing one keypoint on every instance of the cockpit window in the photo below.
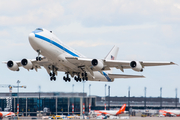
(39, 29)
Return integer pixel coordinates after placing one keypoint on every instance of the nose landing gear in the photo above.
(38, 58)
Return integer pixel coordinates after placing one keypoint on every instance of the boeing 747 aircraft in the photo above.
(57, 56)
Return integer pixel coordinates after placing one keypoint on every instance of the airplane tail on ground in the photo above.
(121, 110)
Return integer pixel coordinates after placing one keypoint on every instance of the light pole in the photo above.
(73, 99)
(176, 97)
(161, 98)
(105, 98)
(18, 99)
(129, 100)
(83, 100)
(145, 98)
(89, 97)
(39, 99)
(72, 88)
(89, 90)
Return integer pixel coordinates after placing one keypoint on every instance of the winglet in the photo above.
(173, 63)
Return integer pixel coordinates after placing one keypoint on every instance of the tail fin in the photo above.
(112, 55)
(121, 110)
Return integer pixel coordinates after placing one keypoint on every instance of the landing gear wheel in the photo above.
(86, 78)
(69, 79)
(40, 58)
(50, 74)
(51, 78)
(54, 78)
(75, 78)
(53, 74)
(37, 58)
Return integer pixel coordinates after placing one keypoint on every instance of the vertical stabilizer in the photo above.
(121, 110)
(112, 55)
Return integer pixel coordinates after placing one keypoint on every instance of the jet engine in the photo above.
(27, 64)
(97, 64)
(12, 65)
(136, 66)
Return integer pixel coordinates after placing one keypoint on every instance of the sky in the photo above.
(144, 30)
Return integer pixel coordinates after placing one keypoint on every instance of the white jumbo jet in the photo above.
(57, 56)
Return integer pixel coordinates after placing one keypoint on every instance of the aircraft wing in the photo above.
(30, 64)
(80, 61)
(115, 63)
(126, 64)
(125, 76)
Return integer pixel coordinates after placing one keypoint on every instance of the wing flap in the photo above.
(125, 76)
(79, 61)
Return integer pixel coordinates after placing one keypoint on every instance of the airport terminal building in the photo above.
(61, 102)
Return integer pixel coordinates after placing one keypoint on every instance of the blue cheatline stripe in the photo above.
(56, 44)
(107, 77)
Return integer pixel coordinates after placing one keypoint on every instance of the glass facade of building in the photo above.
(30, 106)
(61, 103)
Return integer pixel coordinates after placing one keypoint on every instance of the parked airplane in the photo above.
(60, 57)
(6, 114)
(170, 112)
(108, 112)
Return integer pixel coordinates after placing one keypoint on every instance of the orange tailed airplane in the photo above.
(109, 112)
(6, 114)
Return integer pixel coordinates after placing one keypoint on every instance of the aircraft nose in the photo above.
(31, 36)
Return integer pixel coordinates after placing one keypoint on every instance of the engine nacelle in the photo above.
(12, 65)
(97, 64)
(136, 66)
(27, 64)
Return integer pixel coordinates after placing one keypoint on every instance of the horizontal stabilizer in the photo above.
(125, 76)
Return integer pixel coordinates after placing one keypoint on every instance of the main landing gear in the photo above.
(38, 58)
(66, 78)
(52, 74)
(84, 77)
(77, 78)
